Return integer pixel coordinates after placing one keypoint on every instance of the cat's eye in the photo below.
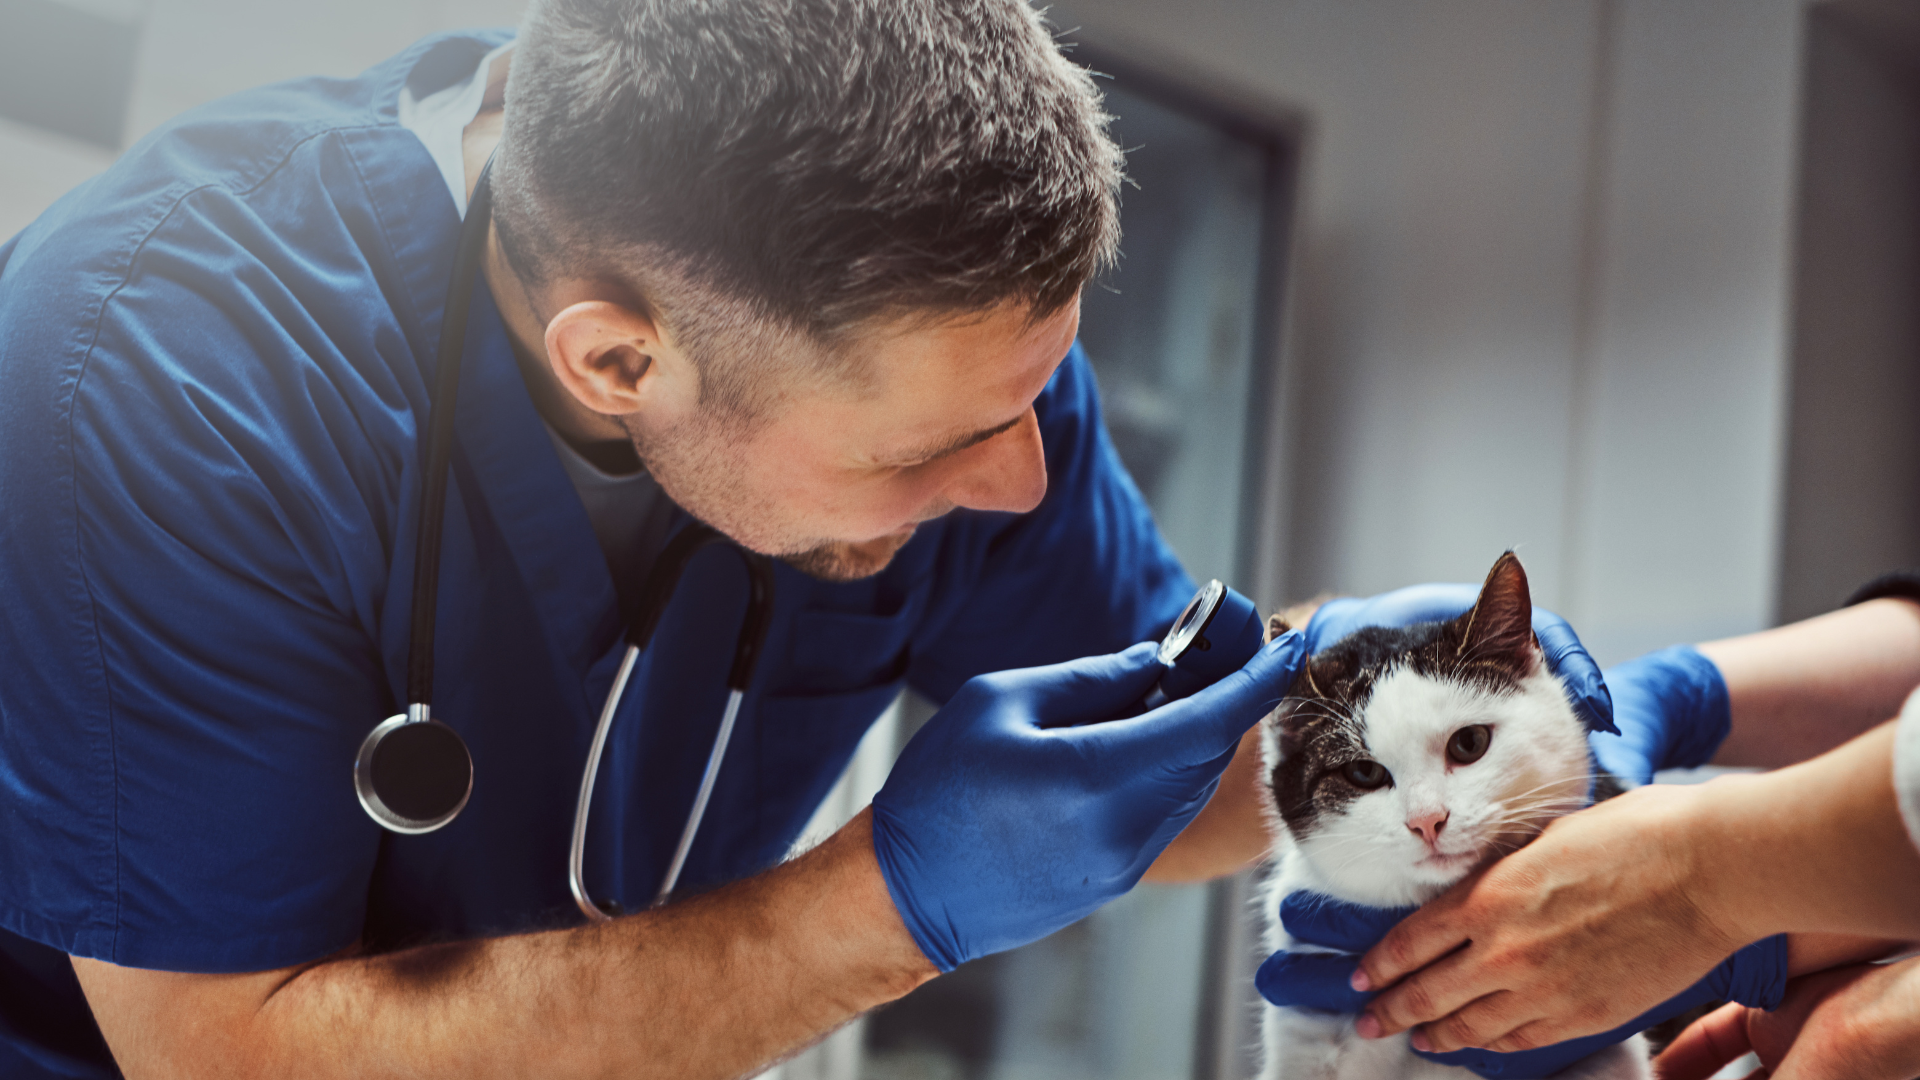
(1469, 744)
(1365, 775)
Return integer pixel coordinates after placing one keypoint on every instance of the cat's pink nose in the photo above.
(1428, 825)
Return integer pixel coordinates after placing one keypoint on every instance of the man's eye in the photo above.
(1469, 744)
(1365, 775)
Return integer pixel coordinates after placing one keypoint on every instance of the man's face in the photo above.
(834, 480)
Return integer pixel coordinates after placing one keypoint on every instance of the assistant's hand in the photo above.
(1565, 655)
(1023, 805)
(1852, 1023)
(1583, 930)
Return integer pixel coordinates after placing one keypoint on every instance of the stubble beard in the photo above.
(699, 465)
(843, 560)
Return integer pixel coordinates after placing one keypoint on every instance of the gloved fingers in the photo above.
(1708, 1045)
(1569, 659)
(1620, 754)
(1204, 730)
(1488, 1022)
(1313, 980)
(1332, 621)
(1336, 619)
(1756, 975)
(1086, 690)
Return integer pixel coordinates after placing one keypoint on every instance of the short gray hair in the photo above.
(804, 166)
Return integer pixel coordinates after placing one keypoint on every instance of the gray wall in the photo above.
(1853, 463)
(1540, 291)
(195, 50)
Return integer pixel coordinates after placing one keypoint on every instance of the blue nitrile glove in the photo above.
(1437, 603)
(1756, 976)
(1671, 708)
(1022, 806)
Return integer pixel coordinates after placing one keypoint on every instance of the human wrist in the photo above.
(858, 921)
(1887, 1023)
(1816, 846)
(1732, 864)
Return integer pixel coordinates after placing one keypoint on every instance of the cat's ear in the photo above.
(1499, 629)
(1276, 626)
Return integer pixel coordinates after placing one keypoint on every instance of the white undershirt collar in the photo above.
(440, 120)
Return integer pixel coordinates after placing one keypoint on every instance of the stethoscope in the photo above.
(414, 773)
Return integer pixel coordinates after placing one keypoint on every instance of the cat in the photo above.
(1400, 759)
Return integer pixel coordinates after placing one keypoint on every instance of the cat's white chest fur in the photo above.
(1303, 1044)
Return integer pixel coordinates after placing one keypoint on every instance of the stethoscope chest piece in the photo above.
(413, 773)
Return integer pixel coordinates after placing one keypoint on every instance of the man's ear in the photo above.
(604, 354)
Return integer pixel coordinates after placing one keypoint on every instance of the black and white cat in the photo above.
(1400, 759)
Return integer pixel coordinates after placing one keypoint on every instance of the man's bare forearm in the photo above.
(716, 986)
(1800, 690)
(1229, 834)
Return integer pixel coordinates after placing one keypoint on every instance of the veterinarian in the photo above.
(804, 274)
(1614, 909)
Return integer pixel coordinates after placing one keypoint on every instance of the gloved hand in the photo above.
(1436, 603)
(1022, 806)
(1756, 976)
(1672, 712)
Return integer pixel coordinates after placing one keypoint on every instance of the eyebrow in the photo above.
(957, 444)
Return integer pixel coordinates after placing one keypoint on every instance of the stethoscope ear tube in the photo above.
(446, 389)
(662, 581)
(753, 632)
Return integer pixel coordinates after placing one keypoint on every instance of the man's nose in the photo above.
(1427, 825)
(1007, 472)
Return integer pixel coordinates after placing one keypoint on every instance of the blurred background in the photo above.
(1626, 285)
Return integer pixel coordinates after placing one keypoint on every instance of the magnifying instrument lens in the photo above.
(1193, 619)
(1216, 634)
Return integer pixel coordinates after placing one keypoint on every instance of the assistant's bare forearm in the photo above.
(1803, 689)
(1818, 846)
(717, 986)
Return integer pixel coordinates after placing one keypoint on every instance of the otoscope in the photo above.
(1215, 635)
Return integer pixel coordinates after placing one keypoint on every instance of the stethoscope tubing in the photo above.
(577, 849)
(642, 621)
(642, 617)
(712, 772)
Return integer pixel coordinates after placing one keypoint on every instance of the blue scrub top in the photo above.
(214, 364)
